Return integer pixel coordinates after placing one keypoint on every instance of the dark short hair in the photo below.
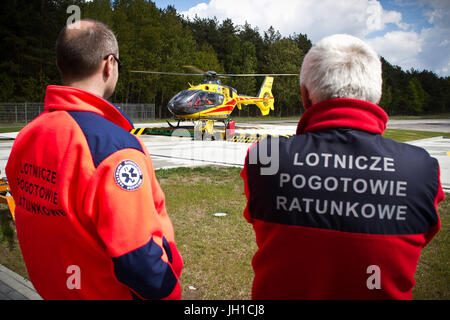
(79, 52)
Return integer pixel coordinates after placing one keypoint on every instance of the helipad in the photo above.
(170, 152)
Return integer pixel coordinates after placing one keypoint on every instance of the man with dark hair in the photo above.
(342, 212)
(90, 214)
(78, 51)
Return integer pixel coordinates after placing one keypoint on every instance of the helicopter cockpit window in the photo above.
(207, 99)
(183, 96)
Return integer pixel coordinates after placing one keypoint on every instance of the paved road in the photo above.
(168, 152)
(437, 125)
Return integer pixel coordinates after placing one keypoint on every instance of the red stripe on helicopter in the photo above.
(253, 98)
(229, 108)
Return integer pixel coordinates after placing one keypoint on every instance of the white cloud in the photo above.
(427, 49)
(315, 18)
(436, 50)
(378, 17)
(399, 47)
(439, 12)
(424, 49)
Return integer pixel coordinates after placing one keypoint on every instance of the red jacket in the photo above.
(339, 212)
(90, 214)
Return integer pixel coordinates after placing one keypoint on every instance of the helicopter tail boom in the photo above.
(265, 93)
(264, 101)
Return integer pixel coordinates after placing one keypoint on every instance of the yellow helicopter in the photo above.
(211, 100)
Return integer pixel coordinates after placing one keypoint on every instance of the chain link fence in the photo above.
(138, 112)
(24, 112)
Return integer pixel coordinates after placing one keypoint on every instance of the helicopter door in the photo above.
(230, 91)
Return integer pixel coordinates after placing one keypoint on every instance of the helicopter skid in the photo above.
(172, 126)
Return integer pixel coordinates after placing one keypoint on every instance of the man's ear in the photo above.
(305, 97)
(107, 68)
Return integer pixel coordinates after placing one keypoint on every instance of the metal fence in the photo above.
(138, 112)
(24, 112)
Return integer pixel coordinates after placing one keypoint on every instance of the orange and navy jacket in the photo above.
(90, 214)
(339, 211)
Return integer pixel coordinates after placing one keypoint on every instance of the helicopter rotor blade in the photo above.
(169, 73)
(258, 75)
(195, 69)
(219, 75)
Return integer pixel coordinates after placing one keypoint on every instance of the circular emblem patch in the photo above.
(128, 175)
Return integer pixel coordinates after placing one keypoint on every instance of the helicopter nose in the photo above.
(171, 107)
(179, 109)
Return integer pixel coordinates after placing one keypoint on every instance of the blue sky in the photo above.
(412, 14)
(180, 5)
(409, 33)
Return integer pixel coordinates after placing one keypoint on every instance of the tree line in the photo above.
(162, 40)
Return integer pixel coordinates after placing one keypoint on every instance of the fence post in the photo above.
(26, 118)
(16, 112)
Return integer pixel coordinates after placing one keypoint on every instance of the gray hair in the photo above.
(342, 66)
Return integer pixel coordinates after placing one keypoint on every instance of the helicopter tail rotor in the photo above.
(265, 92)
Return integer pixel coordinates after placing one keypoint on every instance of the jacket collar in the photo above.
(74, 99)
(343, 112)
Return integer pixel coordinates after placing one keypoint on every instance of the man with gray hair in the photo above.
(347, 213)
(90, 215)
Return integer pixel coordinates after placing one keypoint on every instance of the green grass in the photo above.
(433, 270)
(10, 129)
(10, 255)
(218, 254)
(217, 251)
(429, 116)
(410, 135)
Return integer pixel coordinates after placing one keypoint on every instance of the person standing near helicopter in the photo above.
(343, 213)
(91, 218)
